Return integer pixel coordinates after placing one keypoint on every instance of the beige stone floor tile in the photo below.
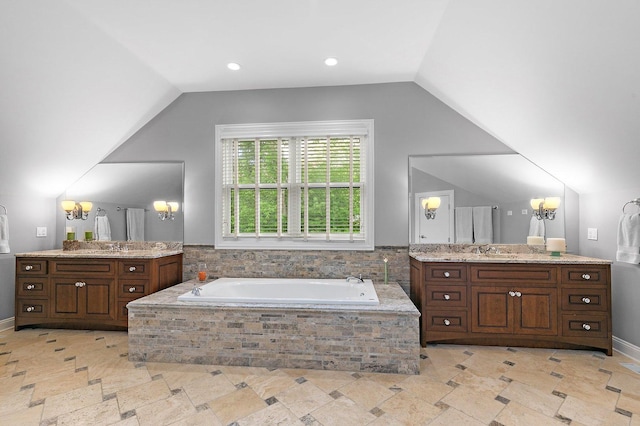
(409, 409)
(275, 414)
(71, 401)
(590, 414)
(208, 388)
(129, 421)
(176, 375)
(387, 420)
(135, 397)
(440, 373)
(629, 403)
(238, 375)
(304, 398)
(588, 390)
(59, 384)
(540, 380)
(628, 382)
(13, 402)
(489, 385)
(271, 384)
(103, 413)
(474, 402)
(451, 417)
(166, 411)
(532, 398)
(46, 367)
(236, 405)
(366, 393)
(24, 417)
(10, 384)
(385, 379)
(201, 418)
(429, 389)
(329, 381)
(117, 380)
(517, 414)
(343, 411)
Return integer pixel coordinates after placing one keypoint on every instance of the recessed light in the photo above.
(233, 66)
(330, 62)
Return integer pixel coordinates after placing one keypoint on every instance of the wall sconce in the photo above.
(166, 209)
(545, 208)
(77, 210)
(430, 205)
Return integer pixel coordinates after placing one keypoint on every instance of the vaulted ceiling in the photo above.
(556, 80)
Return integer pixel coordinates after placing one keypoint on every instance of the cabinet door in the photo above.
(536, 311)
(91, 298)
(491, 310)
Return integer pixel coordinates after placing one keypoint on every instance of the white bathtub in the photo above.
(285, 290)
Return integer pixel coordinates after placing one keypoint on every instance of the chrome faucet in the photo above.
(486, 249)
(358, 279)
(196, 290)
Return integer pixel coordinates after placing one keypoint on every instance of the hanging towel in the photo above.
(135, 224)
(4, 234)
(482, 225)
(102, 228)
(464, 225)
(536, 227)
(629, 238)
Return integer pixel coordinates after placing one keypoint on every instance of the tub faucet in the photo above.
(358, 279)
(196, 290)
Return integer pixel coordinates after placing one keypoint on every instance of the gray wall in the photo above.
(408, 120)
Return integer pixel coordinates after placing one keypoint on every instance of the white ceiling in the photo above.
(556, 80)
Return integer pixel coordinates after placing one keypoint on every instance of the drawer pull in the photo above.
(512, 293)
(447, 274)
(586, 300)
(80, 284)
(132, 268)
(586, 327)
(30, 287)
(447, 322)
(30, 308)
(518, 294)
(586, 277)
(28, 267)
(132, 289)
(447, 297)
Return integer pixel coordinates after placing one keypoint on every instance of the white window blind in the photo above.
(305, 185)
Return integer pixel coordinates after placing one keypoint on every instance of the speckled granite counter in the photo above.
(505, 258)
(101, 254)
(382, 338)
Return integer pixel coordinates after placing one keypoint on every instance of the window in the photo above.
(306, 185)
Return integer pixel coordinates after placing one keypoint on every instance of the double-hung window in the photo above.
(303, 185)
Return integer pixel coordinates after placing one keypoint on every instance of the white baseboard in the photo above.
(626, 348)
(6, 324)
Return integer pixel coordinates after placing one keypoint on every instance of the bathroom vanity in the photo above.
(514, 299)
(88, 289)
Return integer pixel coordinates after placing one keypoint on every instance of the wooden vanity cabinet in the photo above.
(538, 305)
(87, 293)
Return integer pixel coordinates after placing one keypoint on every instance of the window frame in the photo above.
(334, 128)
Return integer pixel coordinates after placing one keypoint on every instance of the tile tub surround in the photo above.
(383, 338)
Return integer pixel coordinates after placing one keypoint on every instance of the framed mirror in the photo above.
(502, 184)
(114, 188)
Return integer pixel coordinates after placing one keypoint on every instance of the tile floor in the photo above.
(66, 377)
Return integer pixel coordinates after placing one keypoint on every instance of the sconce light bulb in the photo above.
(174, 206)
(68, 205)
(86, 206)
(160, 206)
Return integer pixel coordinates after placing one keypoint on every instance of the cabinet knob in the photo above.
(132, 268)
(447, 322)
(512, 293)
(518, 294)
(586, 300)
(30, 287)
(80, 284)
(28, 267)
(30, 308)
(586, 277)
(447, 297)
(132, 289)
(586, 327)
(447, 274)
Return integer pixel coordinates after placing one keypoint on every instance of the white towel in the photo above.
(102, 229)
(464, 225)
(629, 238)
(135, 224)
(536, 227)
(4, 234)
(482, 225)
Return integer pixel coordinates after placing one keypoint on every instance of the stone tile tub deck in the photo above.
(383, 338)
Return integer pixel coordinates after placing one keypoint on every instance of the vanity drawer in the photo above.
(84, 267)
(587, 325)
(585, 274)
(446, 272)
(33, 286)
(31, 267)
(32, 308)
(133, 288)
(449, 321)
(446, 296)
(134, 267)
(584, 299)
(510, 273)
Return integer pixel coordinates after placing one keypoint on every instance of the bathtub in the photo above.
(285, 291)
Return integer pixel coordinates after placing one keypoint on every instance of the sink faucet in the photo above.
(486, 249)
(358, 279)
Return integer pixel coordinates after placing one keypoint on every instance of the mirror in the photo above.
(505, 183)
(115, 187)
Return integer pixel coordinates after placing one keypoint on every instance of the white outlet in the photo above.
(525, 211)
(509, 212)
(41, 231)
(592, 233)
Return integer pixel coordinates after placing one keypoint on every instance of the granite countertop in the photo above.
(392, 300)
(101, 254)
(505, 258)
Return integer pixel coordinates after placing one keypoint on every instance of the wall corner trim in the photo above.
(626, 348)
(7, 323)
